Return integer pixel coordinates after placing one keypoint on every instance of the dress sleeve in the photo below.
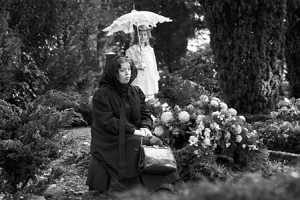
(104, 116)
(146, 119)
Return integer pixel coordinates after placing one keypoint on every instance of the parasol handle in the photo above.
(138, 33)
(133, 6)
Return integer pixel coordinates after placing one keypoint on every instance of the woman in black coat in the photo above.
(120, 119)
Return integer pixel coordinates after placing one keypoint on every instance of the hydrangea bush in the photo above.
(282, 131)
(206, 133)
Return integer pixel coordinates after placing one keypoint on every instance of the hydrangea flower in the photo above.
(214, 103)
(215, 114)
(238, 138)
(223, 106)
(204, 98)
(216, 99)
(232, 111)
(236, 128)
(184, 116)
(241, 117)
(159, 131)
(166, 117)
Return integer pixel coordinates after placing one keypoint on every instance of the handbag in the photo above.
(156, 160)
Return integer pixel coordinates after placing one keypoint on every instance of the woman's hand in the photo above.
(148, 133)
(143, 132)
(140, 132)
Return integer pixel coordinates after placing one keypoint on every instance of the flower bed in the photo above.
(208, 138)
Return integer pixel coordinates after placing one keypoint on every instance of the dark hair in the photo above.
(111, 72)
(117, 61)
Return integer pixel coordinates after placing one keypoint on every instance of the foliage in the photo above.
(176, 90)
(20, 80)
(280, 135)
(51, 40)
(199, 68)
(247, 39)
(206, 133)
(282, 131)
(292, 52)
(29, 141)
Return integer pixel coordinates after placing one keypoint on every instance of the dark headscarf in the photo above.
(110, 75)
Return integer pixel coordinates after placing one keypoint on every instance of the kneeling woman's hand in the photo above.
(140, 132)
(156, 141)
(148, 133)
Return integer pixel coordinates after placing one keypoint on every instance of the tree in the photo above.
(292, 51)
(247, 39)
(55, 37)
(20, 81)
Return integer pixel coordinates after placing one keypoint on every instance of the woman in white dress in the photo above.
(144, 58)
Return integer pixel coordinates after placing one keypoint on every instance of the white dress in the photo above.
(147, 79)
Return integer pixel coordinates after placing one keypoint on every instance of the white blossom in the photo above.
(214, 103)
(232, 111)
(166, 117)
(238, 138)
(204, 98)
(184, 116)
(241, 117)
(159, 130)
(223, 106)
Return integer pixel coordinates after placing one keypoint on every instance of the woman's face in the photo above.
(124, 73)
(143, 36)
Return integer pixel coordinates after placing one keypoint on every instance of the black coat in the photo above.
(106, 106)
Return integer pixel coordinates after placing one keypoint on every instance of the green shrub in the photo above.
(29, 141)
(280, 135)
(281, 132)
(62, 101)
(178, 91)
(200, 68)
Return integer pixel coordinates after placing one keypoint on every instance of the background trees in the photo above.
(59, 44)
(247, 39)
(292, 50)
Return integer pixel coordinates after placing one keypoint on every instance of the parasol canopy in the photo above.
(125, 22)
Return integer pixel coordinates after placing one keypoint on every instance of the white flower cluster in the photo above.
(183, 116)
(166, 117)
(159, 131)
